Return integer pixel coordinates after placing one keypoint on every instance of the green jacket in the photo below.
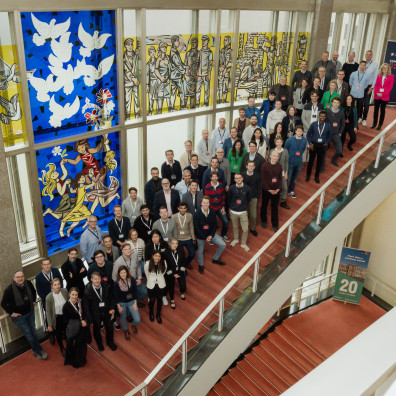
(235, 163)
(326, 100)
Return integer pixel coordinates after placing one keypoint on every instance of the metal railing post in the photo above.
(299, 298)
(144, 391)
(373, 289)
(321, 201)
(2, 342)
(320, 284)
(184, 357)
(289, 238)
(221, 315)
(255, 275)
(351, 172)
(381, 143)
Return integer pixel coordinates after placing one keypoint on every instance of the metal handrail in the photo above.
(255, 260)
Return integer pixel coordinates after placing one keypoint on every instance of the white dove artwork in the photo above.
(64, 73)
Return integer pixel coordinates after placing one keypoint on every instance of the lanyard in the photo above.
(184, 222)
(320, 131)
(360, 79)
(77, 310)
(298, 146)
(133, 206)
(128, 266)
(96, 235)
(98, 294)
(122, 222)
(314, 108)
(221, 135)
(207, 145)
(49, 278)
(176, 258)
(167, 227)
(322, 83)
(149, 223)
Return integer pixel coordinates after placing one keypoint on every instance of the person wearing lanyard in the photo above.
(125, 296)
(193, 198)
(295, 146)
(252, 109)
(382, 89)
(271, 183)
(290, 121)
(171, 169)
(205, 148)
(351, 123)
(315, 87)
(358, 82)
(176, 269)
(220, 134)
(184, 185)
(235, 156)
(241, 123)
(138, 246)
(74, 316)
(248, 132)
(326, 64)
(239, 198)
(74, 271)
(371, 71)
(185, 158)
(284, 92)
(318, 137)
(284, 161)
(43, 285)
(330, 94)
(196, 170)
(185, 232)
(99, 308)
(342, 86)
(144, 223)
(301, 74)
(253, 181)
(299, 95)
(131, 205)
(119, 227)
(311, 111)
(91, 239)
(267, 106)
(111, 252)
(153, 186)
(214, 166)
(324, 80)
(165, 225)
(168, 197)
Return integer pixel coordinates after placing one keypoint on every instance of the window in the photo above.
(134, 160)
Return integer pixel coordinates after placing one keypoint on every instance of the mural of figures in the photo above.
(225, 66)
(131, 78)
(179, 72)
(71, 61)
(77, 180)
(301, 49)
(12, 122)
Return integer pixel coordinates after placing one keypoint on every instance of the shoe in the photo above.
(283, 204)
(43, 354)
(183, 296)
(373, 126)
(246, 248)
(116, 325)
(101, 347)
(317, 181)
(226, 239)
(234, 242)
(134, 329)
(201, 269)
(159, 320)
(254, 232)
(127, 336)
(359, 121)
(172, 304)
(113, 346)
(291, 194)
(335, 163)
(264, 224)
(51, 338)
(379, 127)
(151, 316)
(275, 229)
(37, 355)
(141, 305)
(101, 325)
(350, 148)
(307, 178)
(164, 301)
(364, 123)
(218, 262)
(189, 266)
(341, 155)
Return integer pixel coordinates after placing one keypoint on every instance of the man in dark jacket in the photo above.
(252, 179)
(205, 225)
(17, 301)
(152, 187)
(284, 93)
(98, 302)
(170, 200)
(171, 169)
(119, 227)
(74, 272)
(196, 169)
(253, 155)
(144, 223)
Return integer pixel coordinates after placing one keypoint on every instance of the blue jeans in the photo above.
(142, 265)
(293, 172)
(225, 221)
(201, 246)
(28, 326)
(141, 291)
(128, 308)
(190, 248)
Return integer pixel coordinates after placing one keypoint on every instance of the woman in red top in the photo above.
(382, 88)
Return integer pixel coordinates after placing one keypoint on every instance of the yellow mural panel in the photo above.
(225, 68)
(12, 118)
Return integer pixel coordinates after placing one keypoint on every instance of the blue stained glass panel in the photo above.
(71, 67)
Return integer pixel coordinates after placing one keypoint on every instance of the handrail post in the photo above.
(373, 289)
(299, 298)
(255, 275)
(321, 201)
(289, 238)
(381, 143)
(221, 315)
(184, 357)
(351, 172)
(144, 391)
(320, 284)
(42, 315)
(2, 342)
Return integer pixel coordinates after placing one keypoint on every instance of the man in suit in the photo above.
(327, 64)
(214, 166)
(324, 80)
(152, 187)
(342, 86)
(253, 155)
(171, 169)
(111, 252)
(119, 227)
(283, 92)
(193, 198)
(196, 170)
(168, 197)
(144, 223)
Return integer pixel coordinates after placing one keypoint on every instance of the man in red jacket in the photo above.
(271, 183)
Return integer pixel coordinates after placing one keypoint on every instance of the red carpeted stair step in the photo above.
(222, 390)
(244, 380)
(313, 355)
(234, 387)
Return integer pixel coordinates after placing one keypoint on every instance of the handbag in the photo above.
(72, 329)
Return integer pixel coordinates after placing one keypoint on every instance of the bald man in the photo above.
(91, 239)
(337, 64)
(220, 134)
(205, 148)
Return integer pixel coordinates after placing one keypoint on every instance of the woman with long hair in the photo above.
(382, 89)
(137, 245)
(155, 269)
(291, 120)
(299, 99)
(125, 296)
(278, 132)
(262, 142)
(155, 244)
(351, 121)
(330, 94)
(235, 156)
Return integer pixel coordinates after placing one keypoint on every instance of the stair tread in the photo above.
(222, 390)
(233, 386)
(245, 381)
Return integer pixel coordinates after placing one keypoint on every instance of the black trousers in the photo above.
(60, 328)
(359, 107)
(349, 129)
(105, 318)
(274, 207)
(366, 102)
(319, 150)
(379, 104)
(156, 294)
(170, 285)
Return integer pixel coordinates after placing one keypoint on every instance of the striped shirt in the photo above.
(138, 248)
(216, 195)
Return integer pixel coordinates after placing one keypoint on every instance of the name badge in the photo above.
(381, 89)
(221, 142)
(121, 236)
(320, 140)
(238, 201)
(133, 217)
(166, 239)
(358, 87)
(206, 227)
(148, 232)
(328, 107)
(105, 279)
(100, 242)
(207, 154)
(173, 177)
(129, 296)
(299, 101)
(335, 124)
(298, 153)
(346, 121)
(313, 115)
(101, 305)
(274, 180)
(235, 166)
(283, 97)
(182, 232)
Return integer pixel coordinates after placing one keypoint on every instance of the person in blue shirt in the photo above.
(358, 82)
(296, 146)
(251, 109)
(318, 136)
(266, 107)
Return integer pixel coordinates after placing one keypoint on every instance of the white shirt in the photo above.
(168, 203)
(59, 303)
